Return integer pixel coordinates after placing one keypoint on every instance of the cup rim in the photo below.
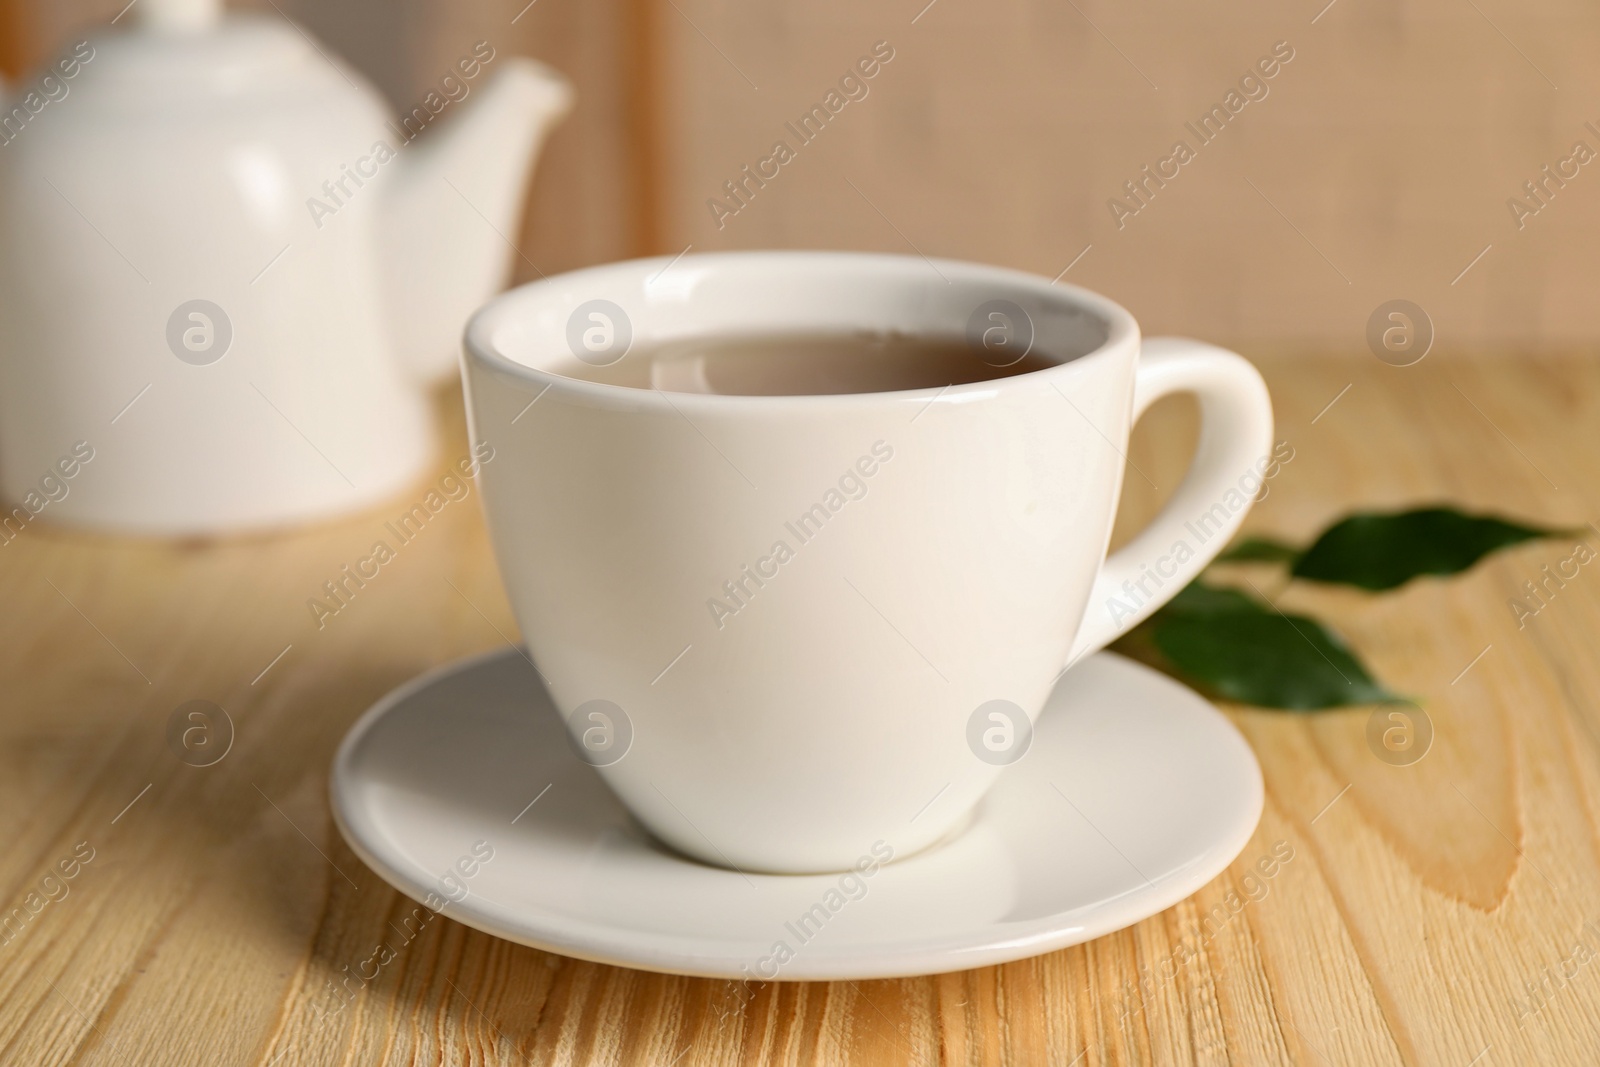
(478, 341)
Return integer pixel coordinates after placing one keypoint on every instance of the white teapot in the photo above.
(227, 278)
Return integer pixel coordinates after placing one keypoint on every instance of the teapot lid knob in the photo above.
(180, 16)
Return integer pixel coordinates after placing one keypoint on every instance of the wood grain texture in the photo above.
(1430, 914)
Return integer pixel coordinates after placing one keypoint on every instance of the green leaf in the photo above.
(1260, 656)
(1197, 598)
(1383, 551)
(1235, 647)
(1260, 550)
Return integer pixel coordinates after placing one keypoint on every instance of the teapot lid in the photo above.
(180, 16)
(189, 48)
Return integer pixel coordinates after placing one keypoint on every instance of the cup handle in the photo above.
(1235, 435)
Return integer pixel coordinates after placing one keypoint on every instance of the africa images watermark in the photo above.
(52, 889)
(53, 488)
(1252, 485)
(1252, 87)
(852, 485)
(52, 89)
(850, 886)
(1549, 584)
(453, 89)
(852, 87)
(1541, 190)
(1256, 885)
(341, 589)
(450, 888)
(1554, 979)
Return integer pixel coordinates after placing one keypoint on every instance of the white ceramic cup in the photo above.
(788, 709)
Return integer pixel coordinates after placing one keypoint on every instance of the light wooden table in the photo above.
(1430, 914)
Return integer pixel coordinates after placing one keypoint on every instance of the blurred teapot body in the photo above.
(230, 276)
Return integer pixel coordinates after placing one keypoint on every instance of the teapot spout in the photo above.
(453, 207)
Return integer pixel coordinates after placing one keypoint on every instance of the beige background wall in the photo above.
(1377, 167)
(1389, 145)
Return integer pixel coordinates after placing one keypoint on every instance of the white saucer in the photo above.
(1135, 793)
